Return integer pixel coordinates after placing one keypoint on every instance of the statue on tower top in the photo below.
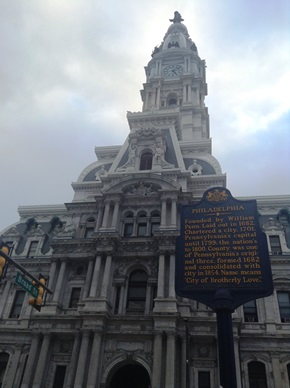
(177, 18)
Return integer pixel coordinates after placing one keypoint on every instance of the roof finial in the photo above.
(177, 18)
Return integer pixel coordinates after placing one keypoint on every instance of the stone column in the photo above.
(115, 214)
(173, 213)
(38, 383)
(163, 212)
(94, 362)
(148, 298)
(121, 301)
(189, 92)
(276, 369)
(13, 366)
(106, 277)
(82, 360)
(146, 100)
(88, 279)
(106, 214)
(172, 277)
(183, 362)
(148, 225)
(184, 93)
(158, 96)
(30, 365)
(157, 361)
(170, 361)
(160, 285)
(59, 283)
(99, 218)
(134, 226)
(94, 284)
(237, 362)
(73, 361)
(4, 296)
(52, 274)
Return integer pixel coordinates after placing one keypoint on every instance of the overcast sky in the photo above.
(71, 69)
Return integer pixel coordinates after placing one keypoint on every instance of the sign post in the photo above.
(222, 260)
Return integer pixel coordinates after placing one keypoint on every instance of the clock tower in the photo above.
(175, 80)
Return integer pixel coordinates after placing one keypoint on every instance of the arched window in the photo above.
(146, 161)
(257, 375)
(137, 287)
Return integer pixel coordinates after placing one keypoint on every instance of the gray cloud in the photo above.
(70, 71)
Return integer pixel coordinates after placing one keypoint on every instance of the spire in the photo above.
(176, 37)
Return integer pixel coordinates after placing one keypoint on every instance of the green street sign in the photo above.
(26, 284)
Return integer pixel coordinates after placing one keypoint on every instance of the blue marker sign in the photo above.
(221, 246)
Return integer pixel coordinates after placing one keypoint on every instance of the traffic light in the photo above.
(37, 303)
(5, 249)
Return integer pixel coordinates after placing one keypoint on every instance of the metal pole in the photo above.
(227, 366)
(187, 383)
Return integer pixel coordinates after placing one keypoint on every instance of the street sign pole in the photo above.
(227, 365)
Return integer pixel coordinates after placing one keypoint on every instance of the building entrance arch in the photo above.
(130, 376)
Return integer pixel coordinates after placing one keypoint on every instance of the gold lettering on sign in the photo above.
(221, 247)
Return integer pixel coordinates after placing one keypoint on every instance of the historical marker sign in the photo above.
(221, 246)
(26, 285)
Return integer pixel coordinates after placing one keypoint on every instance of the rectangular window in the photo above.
(117, 300)
(284, 305)
(74, 297)
(32, 249)
(136, 298)
(275, 245)
(17, 304)
(154, 226)
(3, 365)
(250, 311)
(128, 230)
(203, 379)
(59, 376)
(142, 229)
(89, 231)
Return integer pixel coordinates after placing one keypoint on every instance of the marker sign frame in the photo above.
(221, 246)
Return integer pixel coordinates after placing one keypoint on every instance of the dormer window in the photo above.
(275, 245)
(146, 161)
(90, 227)
(32, 249)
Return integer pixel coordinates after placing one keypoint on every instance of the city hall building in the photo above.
(114, 319)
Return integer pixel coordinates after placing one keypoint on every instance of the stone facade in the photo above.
(114, 319)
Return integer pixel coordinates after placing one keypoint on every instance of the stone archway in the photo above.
(130, 376)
